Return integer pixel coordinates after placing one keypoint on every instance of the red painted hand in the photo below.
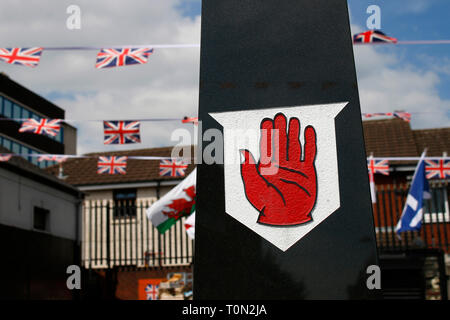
(281, 186)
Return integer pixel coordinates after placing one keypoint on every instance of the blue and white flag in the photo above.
(411, 219)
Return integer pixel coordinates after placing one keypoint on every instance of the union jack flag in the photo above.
(121, 132)
(152, 291)
(5, 157)
(50, 127)
(406, 116)
(190, 120)
(118, 57)
(22, 56)
(112, 165)
(372, 36)
(377, 166)
(172, 168)
(439, 169)
(56, 158)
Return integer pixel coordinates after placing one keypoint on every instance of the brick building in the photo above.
(117, 236)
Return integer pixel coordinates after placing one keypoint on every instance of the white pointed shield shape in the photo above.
(241, 130)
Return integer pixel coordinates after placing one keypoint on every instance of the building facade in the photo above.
(39, 214)
(117, 236)
(18, 102)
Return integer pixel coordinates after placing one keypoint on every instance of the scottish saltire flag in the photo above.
(5, 157)
(372, 36)
(29, 57)
(112, 165)
(437, 169)
(376, 166)
(118, 57)
(56, 158)
(43, 126)
(151, 291)
(172, 168)
(121, 132)
(411, 219)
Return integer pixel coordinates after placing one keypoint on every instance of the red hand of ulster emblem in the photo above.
(282, 186)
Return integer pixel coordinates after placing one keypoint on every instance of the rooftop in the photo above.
(383, 138)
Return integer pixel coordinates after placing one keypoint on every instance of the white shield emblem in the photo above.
(285, 199)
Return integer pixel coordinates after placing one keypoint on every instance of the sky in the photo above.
(410, 78)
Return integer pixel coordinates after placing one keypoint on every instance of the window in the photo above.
(26, 114)
(41, 218)
(124, 203)
(17, 111)
(15, 147)
(7, 108)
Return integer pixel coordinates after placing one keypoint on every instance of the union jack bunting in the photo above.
(172, 168)
(121, 132)
(406, 116)
(118, 57)
(43, 126)
(372, 36)
(5, 157)
(378, 166)
(56, 158)
(112, 165)
(22, 56)
(378, 114)
(151, 291)
(190, 120)
(439, 169)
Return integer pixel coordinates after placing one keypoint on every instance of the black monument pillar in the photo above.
(305, 230)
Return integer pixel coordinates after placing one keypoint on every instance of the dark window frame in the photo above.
(41, 219)
(125, 203)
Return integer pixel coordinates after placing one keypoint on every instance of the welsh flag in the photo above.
(189, 224)
(177, 203)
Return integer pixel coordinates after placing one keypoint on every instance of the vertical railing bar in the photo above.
(186, 244)
(95, 234)
(403, 201)
(160, 238)
(102, 208)
(443, 190)
(89, 231)
(396, 211)
(392, 220)
(119, 222)
(136, 232)
(108, 238)
(436, 208)
(152, 240)
(123, 241)
(383, 201)
(378, 215)
(424, 230)
(431, 215)
(130, 229)
(179, 244)
(141, 231)
(112, 223)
